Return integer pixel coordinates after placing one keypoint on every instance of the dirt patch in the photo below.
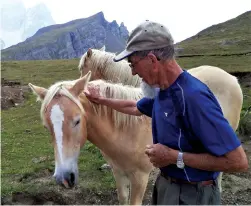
(53, 197)
(12, 93)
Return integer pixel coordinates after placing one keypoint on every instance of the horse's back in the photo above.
(226, 89)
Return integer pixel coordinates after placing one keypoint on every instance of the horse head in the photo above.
(64, 117)
(101, 63)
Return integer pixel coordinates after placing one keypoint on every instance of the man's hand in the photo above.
(121, 105)
(161, 155)
(93, 95)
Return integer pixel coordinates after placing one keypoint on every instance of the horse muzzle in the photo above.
(67, 179)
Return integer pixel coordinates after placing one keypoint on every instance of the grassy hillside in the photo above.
(231, 64)
(40, 72)
(230, 37)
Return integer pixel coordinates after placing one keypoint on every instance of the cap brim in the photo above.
(122, 55)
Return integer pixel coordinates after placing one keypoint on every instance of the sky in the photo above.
(184, 18)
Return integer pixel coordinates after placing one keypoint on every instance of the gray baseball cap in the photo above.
(146, 36)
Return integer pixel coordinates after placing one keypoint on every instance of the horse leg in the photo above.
(139, 181)
(219, 178)
(122, 184)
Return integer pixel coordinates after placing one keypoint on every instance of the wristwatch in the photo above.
(180, 164)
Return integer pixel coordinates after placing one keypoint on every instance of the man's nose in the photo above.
(133, 72)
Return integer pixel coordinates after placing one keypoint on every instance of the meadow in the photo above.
(27, 158)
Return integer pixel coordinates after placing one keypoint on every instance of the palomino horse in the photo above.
(72, 119)
(103, 67)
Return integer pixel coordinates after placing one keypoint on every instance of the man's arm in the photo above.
(124, 106)
(121, 105)
(234, 161)
(131, 107)
(212, 129)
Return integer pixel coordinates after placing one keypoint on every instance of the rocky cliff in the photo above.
(70, 40)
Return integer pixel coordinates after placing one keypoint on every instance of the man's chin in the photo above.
(148, 91)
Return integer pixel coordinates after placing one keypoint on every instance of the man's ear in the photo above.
(152, 57)
(39, 91)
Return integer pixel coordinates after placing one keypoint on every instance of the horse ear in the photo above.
(102, 49)
(39, 91)
(89, 52)
(81, 84)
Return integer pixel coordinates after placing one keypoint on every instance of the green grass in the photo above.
(24, 138)
(41, 72)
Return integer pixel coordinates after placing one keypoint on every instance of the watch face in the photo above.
(180, 164)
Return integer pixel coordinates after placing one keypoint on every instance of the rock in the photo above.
(105, 167)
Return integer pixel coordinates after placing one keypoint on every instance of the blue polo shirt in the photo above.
(187, 117)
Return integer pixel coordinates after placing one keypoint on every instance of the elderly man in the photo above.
(189, 155)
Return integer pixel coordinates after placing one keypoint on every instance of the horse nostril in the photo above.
(69, 178)
(72, 178)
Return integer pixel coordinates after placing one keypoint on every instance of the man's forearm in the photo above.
(124, 106)
(212, 163)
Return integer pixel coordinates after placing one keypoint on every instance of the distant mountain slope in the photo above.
(230, 37)
(70, 40)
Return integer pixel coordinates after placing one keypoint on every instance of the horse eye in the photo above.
(77, 122)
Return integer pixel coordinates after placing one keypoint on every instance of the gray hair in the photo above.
(165, 53)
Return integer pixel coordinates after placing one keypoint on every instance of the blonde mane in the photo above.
(106, 89)
(61, 89)
(102, 62)
(117, 91)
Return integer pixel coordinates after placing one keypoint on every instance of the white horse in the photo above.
(102, 66)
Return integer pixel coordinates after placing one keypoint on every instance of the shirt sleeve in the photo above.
(145, 106)
(208, 123)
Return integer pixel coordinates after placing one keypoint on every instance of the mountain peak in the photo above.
(70, 40)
